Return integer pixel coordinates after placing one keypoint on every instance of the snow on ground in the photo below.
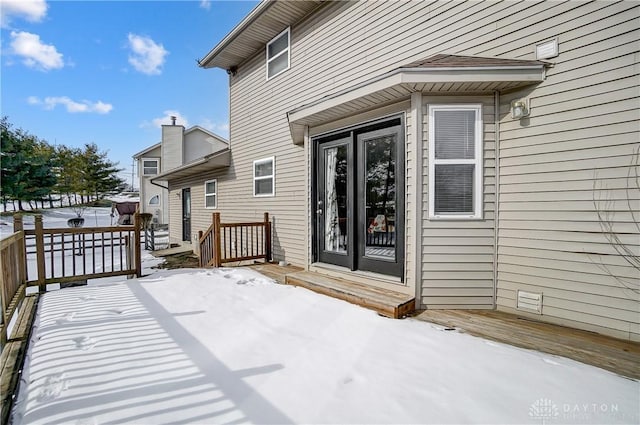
(231, 346)
(57, 217)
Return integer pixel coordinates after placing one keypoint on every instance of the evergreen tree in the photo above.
(27, 173)
(99, 174)
(33, 170)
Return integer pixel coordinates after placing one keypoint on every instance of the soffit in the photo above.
(211, 162)
(261, 25)
(440, 74)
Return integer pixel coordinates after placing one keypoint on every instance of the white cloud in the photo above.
(72, 106)
(31, 10)
(146, 55)
(220, 128)
(205, 4)
(34, 52)
(166, 120)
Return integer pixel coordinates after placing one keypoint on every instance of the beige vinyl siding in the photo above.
(172, 146)
(584, 117)
(576, 147)
(175, 213)
(458, 255)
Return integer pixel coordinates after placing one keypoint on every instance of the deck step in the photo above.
(385, 302)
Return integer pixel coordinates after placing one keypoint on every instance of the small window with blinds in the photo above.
(455, 161)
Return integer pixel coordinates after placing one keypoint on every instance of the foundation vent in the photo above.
(530, 301)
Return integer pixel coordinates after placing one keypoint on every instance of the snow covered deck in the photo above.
(618, 356)
(231, 346)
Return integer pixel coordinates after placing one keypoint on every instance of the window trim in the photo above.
(214, 194)
(478, 189)
(271, 176)
(157, 161)
(287, 50)
(150, 199)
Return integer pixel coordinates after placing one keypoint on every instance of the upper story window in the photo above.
(211, 194)
(264, 171)
(150, 167)
(278, 57)
(155, 200)
(455, 161)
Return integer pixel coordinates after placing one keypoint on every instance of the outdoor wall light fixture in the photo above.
(519, 109)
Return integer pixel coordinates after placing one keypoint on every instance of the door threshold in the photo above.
(378, 280)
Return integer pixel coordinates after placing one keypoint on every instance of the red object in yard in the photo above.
(126, 210)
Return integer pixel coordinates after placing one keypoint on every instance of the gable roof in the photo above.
(456, 61)
(264, 22)
(146, 150)
(442, 73)
(204, 130)
(189, 130)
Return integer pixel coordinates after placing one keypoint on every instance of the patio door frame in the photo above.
(354, 137)
(186, 214)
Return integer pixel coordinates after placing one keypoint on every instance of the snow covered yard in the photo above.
(231, 346)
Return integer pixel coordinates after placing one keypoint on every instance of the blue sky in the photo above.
(111, 72)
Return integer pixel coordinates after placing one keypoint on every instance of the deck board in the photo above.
(385, 302)
(618, 356)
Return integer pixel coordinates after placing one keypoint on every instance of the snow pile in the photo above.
(231, 346)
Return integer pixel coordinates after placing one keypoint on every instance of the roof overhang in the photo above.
(211, 162)
(264, 22)
(398, 85)
(147, 150)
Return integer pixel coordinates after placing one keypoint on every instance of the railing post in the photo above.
(42, 287)
(200, 254)
(267, 237)
(18, 226)
(217, 255)
(137, 248)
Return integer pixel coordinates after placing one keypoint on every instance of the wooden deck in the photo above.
(387, 303)
(275, 271)
(618, 356)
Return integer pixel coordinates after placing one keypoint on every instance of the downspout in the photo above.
(416, 174)
(496, 213)
(309, 198)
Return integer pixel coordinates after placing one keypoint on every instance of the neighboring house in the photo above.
(178, 148)
(449, 150)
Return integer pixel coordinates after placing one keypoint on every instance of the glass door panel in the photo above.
(336, 231)
(380, 201)
(333, 202)
(380, 197)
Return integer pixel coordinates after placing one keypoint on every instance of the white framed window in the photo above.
(455, 161)
(278, 57)
(150, 166)
(211, 194)
(154, 200)
(264, 182)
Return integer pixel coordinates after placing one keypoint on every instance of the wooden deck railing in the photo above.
(74, 254)
(13, 276)
(230, 242)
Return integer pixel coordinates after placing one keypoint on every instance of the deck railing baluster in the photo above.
(232, 242)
